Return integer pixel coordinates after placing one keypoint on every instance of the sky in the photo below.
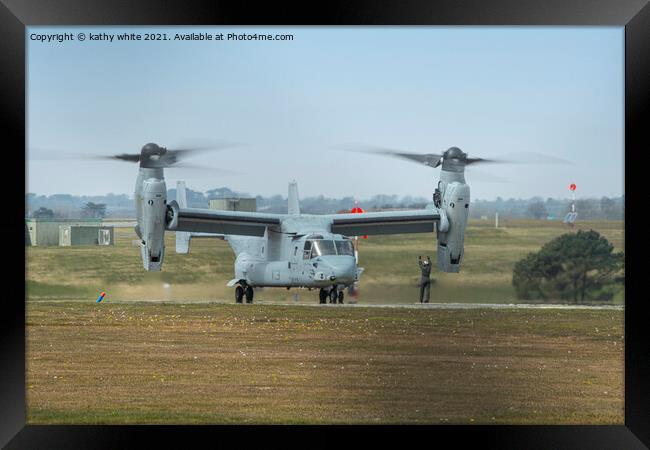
(292, 105)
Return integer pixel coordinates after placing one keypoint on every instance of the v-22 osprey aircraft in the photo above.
(295, 249)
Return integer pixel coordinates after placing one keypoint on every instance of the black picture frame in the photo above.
(15, 15)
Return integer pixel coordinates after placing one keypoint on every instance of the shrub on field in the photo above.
(573, 266)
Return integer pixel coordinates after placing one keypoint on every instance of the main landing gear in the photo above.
(332, 293)
(243, 290)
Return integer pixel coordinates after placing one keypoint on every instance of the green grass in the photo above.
(391, 272)
(39, 290)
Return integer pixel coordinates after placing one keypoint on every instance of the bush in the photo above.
(574, 266)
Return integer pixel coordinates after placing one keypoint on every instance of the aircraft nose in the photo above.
(343, 270)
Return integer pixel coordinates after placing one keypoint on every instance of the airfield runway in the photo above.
(204, 363)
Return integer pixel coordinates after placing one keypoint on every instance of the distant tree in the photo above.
(122, 205)
(587, 208)
(44, 212)
(610, 209)
(416, 205)
(64, 198)
(537, 210)
(29, 199)
(96, 210)
(570, 267)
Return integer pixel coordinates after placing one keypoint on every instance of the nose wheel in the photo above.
(249, 294)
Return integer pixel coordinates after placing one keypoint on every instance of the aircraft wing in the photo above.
(386, 222)
(198, 220)
(183, 239)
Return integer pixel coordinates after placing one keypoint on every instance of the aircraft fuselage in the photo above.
(313, 260)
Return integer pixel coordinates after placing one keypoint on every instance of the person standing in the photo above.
(425, 280)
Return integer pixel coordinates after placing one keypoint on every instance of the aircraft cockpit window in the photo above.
(307, 252)
(322, 247)
(344, 248)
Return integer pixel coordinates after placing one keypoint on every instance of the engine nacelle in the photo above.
(455, 203)
(151, 223)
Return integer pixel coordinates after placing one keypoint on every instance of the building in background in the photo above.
(48, 232)
(85, 235)
(234, 204)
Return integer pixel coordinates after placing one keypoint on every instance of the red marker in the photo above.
(358, 210)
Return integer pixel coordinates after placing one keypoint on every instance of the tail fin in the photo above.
(294, 203)
(182, 237)
(181, 195)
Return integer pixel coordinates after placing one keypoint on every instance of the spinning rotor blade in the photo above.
(197, 167)
(151, 156)
(469, 161)
(473, 174)
(519, 158)
(183, 153)
(166, 159)
(135, 157)
(457, 155)
(533, 158)
(428, 159)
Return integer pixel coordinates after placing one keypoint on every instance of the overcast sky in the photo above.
(491, 91)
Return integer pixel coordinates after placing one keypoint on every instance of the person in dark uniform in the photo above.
(425, 281)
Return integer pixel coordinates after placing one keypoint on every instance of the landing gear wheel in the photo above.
(333, 296)
(322, 296)
(239, 294)
(249, 294)
(341, 295)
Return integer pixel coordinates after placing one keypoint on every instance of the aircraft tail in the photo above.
(294, 202)
(182, 237)
(181, 194)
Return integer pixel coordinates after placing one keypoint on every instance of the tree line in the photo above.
(122, 205)
(552, 209)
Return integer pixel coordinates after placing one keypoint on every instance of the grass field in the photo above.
(391, 272)
(197, 357)
(221, 363)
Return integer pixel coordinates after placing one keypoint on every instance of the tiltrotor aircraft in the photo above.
(294, 249)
